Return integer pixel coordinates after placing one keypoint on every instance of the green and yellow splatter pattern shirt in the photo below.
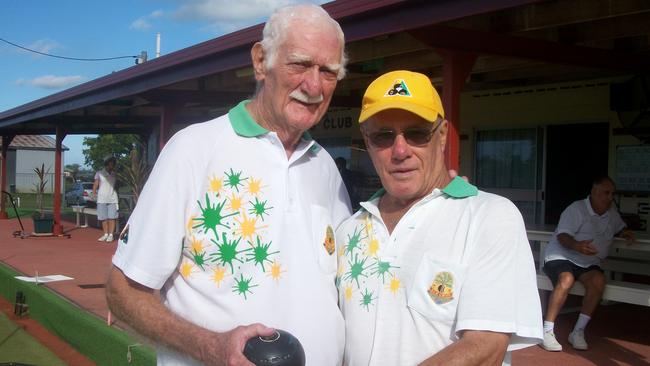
(233, 232)
(459, 259)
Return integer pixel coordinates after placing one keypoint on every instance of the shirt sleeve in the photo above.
(570, 221)
(150, 246)
(500, 289)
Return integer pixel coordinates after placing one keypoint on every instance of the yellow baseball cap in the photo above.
(407, 90)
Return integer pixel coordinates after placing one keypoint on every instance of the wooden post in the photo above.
(6, 140)
(456, 67)
(167, 118)
(57, 229)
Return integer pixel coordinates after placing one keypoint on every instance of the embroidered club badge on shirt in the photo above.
(329, 240)
(441, 290)
(399, 88)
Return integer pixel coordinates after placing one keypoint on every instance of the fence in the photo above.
(27, 182)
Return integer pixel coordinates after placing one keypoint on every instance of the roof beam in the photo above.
(385, 17)
(518, 47)
(194, 96)
(552, 14)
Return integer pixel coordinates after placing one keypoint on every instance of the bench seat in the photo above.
(621, 291)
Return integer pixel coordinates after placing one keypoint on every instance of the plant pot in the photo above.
(43, 226)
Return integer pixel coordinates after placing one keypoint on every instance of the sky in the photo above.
(104, 29)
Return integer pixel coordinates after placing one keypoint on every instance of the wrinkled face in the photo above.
(408, 167)
(299, 86)
(602, 196)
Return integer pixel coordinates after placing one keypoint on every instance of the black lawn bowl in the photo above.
(279, 349)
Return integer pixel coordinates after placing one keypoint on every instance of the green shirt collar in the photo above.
(314, 148)
(457, 188)
(380, 192)
(244, 125)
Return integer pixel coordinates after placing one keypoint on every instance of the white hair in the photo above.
(277, 28)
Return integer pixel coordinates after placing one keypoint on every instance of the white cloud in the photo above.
(140, 24)
(51, 81)
(143, 23)
(44, 45)
(156, 14)
(227, 15)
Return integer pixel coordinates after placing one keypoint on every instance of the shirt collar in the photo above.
(460, 188)
(457, 188)
(591, 211)
(244, 125)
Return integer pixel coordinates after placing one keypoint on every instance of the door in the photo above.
(576, 154)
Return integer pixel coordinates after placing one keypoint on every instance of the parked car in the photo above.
(80, 194)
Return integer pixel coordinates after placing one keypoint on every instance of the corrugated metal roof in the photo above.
(33, 142)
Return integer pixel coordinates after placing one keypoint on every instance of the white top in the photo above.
(581, 222)
(234, 233)
(106, 192)
(451, 264)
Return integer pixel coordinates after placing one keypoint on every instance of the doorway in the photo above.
(575, 155)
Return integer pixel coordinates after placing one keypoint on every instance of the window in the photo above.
(507, 164)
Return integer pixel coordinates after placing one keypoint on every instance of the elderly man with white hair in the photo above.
(235, 225)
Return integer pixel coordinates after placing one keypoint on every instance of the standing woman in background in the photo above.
(105, 192)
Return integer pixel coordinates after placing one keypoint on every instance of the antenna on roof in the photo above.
(157, 44)
(142, 58)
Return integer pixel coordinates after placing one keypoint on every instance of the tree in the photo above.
(73, 169)
(135, 174)
(101, 146)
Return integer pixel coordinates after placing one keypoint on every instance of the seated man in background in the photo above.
(431, 270)
(580, 242)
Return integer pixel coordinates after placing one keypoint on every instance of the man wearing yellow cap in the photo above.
(431, 270)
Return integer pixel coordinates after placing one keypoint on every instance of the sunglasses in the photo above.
(415, 136)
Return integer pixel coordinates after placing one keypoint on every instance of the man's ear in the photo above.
(257, 55)
(442, 130)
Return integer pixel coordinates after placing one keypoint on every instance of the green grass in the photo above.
(22, 212)
(85, 332)
(28, 204)
(18, 346)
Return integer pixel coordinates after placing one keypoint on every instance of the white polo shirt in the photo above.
(106, 192)
(458, 260)
(233, 232)
(581, 222)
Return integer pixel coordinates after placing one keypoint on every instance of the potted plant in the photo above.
(134, 175)
(42, 223)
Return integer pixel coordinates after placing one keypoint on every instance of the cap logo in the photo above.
(399, 88)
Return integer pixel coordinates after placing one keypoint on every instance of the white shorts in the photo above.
(106, 211)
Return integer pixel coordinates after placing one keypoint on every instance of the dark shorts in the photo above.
(555, 267)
